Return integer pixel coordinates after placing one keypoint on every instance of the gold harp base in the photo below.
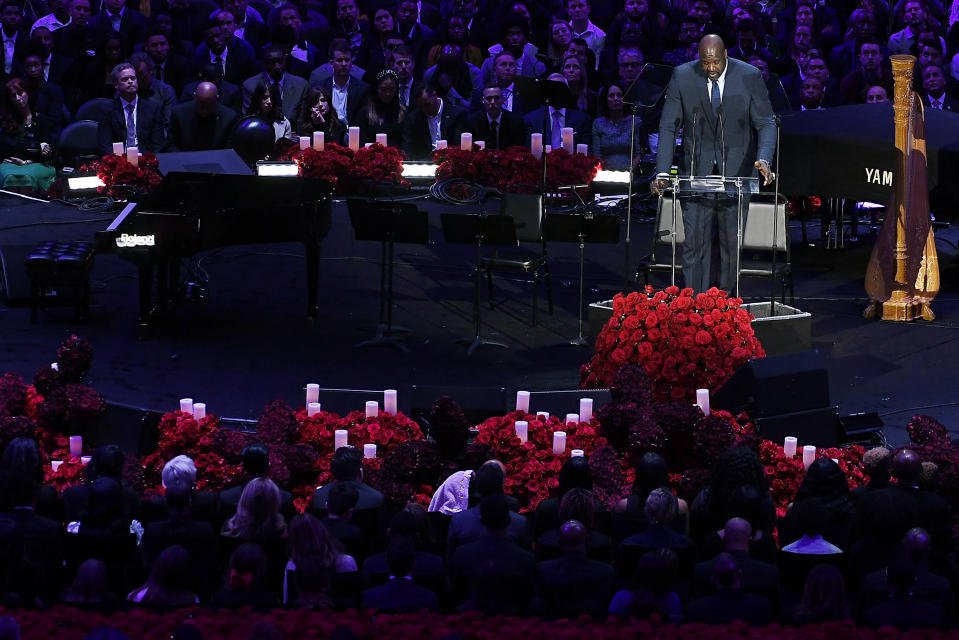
(902, 308)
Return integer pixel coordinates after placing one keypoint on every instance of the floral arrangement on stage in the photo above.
(123, 180)
(346, 169)
(515, 167)
(685, 342)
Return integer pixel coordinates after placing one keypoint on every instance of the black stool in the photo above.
(60, 274)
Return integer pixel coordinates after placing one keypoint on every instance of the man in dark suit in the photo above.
(432, 120)
(202, 124)
(13, 31)
(508, 129)
(354, 30)
(347, 468)
(427, 571)
(757, 577)
(729, 602)
(45, 96)
(255, 459)
(169, 67)
(467, 526)
(56, 67)
(934, 94)
(728, 102)
(574, 585)
(348, 93)
(116, 16)
(399, 593)
(229, 94)
(515, 98)
(557, 119)
(495, 574)
(411, 25)
(135, 122)
(339, 510)
(235, 56)
(77, 38)
(904, 609)
(292, 87)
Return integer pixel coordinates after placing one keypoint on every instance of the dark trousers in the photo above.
(701, 214)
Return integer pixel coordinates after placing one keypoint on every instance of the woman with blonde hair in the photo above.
(577, 79)
(258, 513)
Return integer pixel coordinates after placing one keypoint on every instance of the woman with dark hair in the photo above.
(169, 581)
(96, 80)
(383, 112)
(25, 142)
(257, 513)
(801, 39)
(824, 597)
(317, 114)
(21, 479)
(558, 37)
(105, 515)
(735, 467)
(90, 588)
(577, 79)
(574, 474)
(384, 29)
(457, 33)
(827, 482)
(246, 580)
(612, 128)
(267, 103)
(453, 78)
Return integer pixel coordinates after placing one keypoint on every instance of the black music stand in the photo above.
(478, 229)
(389, 223)
(582, 228)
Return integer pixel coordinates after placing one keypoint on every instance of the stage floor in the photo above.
(249, 342)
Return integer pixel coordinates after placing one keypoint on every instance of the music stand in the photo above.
(557, 95)
(582, 228)
(478, 229)
(389, 223)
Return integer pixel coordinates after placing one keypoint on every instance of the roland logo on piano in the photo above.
(879, 176)
(134, 240)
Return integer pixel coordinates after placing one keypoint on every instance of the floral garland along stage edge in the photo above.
(684, 341)
(122, 180)
(348, 170)
(515, 167)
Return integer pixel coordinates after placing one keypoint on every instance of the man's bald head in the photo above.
(572, 536)
(906, 467)
(737, 534)
(712, 56)
(205, 99)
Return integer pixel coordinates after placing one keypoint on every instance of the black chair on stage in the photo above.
(96, 110)
(78, 143)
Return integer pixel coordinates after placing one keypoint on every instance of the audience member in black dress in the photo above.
(629, 517)
(107, 461)
(317, 114)
(21, 474)
(574, 474)
(660, 511)
(382, 112)
(735, 467)
(574, 584)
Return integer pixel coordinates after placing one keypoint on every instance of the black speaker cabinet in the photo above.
(776, 385)
(819, 427)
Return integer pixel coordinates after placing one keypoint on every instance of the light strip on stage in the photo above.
(419, 169)
(81, 183)
(614, 177)
(274, 169)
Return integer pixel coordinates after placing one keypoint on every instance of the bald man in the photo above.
(202, 124)
(723, 108)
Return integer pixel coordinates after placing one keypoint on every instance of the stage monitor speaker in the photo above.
(134, 429)
(14, 282)
(477, 403)
(819, 427)
(776, 385)
(219, 161)
(561, 402)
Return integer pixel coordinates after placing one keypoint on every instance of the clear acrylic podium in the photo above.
(734, 187)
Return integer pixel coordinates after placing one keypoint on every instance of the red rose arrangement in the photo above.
(122, 180)
(346, 169)
(379, 163)
(784, 474)
(332, 164)
(506, 169)
(683, 341)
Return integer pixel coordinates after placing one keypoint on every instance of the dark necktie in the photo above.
(131, 128)
(493, 134)
(219, 63)
(715, 98)
(159, 73)
(556, 135)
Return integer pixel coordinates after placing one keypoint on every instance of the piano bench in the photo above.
(59, 273)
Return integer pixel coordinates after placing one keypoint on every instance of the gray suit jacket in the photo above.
(294, 88)
(749, 129)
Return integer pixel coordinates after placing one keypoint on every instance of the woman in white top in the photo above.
(266, 103)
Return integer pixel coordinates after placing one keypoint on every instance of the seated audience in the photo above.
(653, 592)
(170, 582)
(824, 597)
(202, 124)
(574, 584)
(382, 112)
(317, 114)
(903, 609)
(25, 140)
(729, 602)
(90, 588)
(292, 88)
(255, 459)
(135, 122)
(611, 130)
(400, 593)
(266, 104)
(310, 540)
(347, 468)
(257, 514)
(246, 580)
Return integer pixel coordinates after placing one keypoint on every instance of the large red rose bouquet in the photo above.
(515, 167)
(122, 180)
(332, 164)
(683, 341)
(377, 163)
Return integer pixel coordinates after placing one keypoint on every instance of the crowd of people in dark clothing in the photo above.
(882, 554)
(167, 75)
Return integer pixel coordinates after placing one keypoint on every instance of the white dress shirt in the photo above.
(339, 100)
(721, 81)
(9, 46)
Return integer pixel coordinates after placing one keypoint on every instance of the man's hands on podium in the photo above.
(658, 186)
(765, 171)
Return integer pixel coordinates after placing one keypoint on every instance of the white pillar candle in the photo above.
(441, 144)
(536, 145)
(319, 140)
(585, 409)
(480, 143)
(572, 417)
(466, 141)
(304, 142)
(577, 453)
(353, 137)
(789, 446)
(381, 139)
(312, 409)
(133, 156)
(522, 401)
(369, 450)
(55, 464)
(542, 415)
(808, 455)
(522, 430)
(702, 399)
(340, 439)
(86, 460)
(312, 392)
(76, 446)
(582, 148)
(559, 442)
(389, 401)
(372, 409)
(118, 148)
(568, 139)
(199, 410)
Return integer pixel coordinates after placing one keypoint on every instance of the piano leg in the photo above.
(312, 279)
(145, 270)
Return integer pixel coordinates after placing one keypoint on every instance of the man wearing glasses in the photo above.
(494, 125)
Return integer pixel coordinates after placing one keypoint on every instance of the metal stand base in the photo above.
(575, 342)
(382, 340)
(479, 341)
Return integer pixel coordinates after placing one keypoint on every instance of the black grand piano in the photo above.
(193, 212)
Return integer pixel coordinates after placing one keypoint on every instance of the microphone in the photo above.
(692, 160)
(722, 137)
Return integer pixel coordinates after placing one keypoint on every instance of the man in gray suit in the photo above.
(724, 109)
(293, 87)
